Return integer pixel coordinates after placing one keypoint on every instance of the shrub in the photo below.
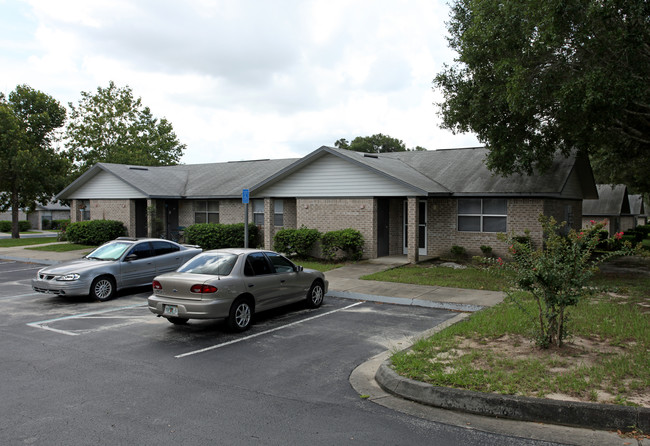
(486, 250)
(556, 274)
(299, 241)
(23, 225)
(94, 232)
(218, 235)
(458, 251)
(60, 224)
(350, 241)
(643, 229)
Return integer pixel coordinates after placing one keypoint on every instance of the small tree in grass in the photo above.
(556, 274)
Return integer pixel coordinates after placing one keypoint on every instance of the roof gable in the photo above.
(612, 200)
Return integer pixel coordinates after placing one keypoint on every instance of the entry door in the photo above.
(383, 232)
(422, 228)
(141, 218)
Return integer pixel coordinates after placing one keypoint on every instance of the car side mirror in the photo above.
(131, 257)
(299, 268)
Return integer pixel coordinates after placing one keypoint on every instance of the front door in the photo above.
(171, 217)
(383, 232)
(141, 218)
(422, 228)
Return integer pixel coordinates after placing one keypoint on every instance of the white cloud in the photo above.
(244, 79)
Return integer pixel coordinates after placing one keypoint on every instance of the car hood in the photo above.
(75, 266)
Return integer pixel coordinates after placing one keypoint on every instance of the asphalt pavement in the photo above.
(376, 380)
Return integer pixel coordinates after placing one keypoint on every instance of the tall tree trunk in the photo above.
(15, 231)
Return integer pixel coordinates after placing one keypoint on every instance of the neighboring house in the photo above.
(638, 210)
(612, 205)
(448, 195)
(42, 217)
(6, 216)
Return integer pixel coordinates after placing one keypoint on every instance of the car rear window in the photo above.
(215, 264)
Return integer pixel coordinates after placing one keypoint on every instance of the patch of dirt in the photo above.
(579, 352)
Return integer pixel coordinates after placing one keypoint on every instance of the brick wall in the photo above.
(120, 210)
(334, 214)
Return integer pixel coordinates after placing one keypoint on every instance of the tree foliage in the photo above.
(31, 169)
(374, 144)
(557, 273)
(533, 78)
(114, 127)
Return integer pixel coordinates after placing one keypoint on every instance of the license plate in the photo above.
(170, 310)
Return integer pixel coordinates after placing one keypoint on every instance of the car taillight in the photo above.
(203, 289)
(156, 285)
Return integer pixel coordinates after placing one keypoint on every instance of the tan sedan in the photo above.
(233, 284)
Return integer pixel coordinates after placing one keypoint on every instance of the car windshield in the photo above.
(109, 251)
(216, 264)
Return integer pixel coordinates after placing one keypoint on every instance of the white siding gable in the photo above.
(331, 176)
(105, 186)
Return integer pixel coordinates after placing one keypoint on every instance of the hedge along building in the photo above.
(404, 203)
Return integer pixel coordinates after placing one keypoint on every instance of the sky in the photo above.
(244, 79)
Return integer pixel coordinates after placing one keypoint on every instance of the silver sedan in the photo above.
(233, 284)
(121, 263)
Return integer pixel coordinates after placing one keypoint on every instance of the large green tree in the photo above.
(31, 169)
(378, 143)
(114, 127)
(534, 77)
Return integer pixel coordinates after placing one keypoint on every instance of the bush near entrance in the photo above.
(218, 235)
(94, 232)
(23, 225)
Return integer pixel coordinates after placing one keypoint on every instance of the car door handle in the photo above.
(282, 281)
(251, 285)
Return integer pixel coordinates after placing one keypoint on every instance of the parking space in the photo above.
(123, 375)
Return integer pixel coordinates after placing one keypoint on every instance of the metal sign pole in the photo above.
(244, 199)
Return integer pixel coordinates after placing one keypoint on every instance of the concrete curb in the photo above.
(568, 413)
(406, 301)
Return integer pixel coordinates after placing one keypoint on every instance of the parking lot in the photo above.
(77, 371)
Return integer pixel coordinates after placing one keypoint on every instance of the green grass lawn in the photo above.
(13, 242)
(430, 274)
(63, 247)
(605, 360)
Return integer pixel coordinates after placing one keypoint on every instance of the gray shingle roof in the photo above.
(439, 172)
(612, 200)
(637, 206)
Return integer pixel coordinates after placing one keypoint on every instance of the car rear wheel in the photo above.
(241, 315)
(103, 288)
(315, 295)
(177, 320)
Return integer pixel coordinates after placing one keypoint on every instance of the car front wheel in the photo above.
(240, 316)
(315, 295)
(103, 288)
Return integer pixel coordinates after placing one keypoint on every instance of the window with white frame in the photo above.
(206, 211)
(258, 212)
(482, 214)
(278, 213)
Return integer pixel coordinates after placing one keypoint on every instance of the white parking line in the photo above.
(44, 326)
(20, 295)
(213, 347)
(23, 269)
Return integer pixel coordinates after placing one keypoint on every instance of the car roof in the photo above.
(236, 251)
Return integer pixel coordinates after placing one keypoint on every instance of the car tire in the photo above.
(103, 288)
(315, 295)
(177, 320)
(241, 315)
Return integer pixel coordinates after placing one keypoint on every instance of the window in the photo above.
(257, 265)
(281, 264)
(278, 214)
(482, 214)
(141, 250)
(84, 210)
(206, 211)
(161, 248)
(258, 212)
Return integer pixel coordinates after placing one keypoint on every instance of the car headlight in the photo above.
(69, 277)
